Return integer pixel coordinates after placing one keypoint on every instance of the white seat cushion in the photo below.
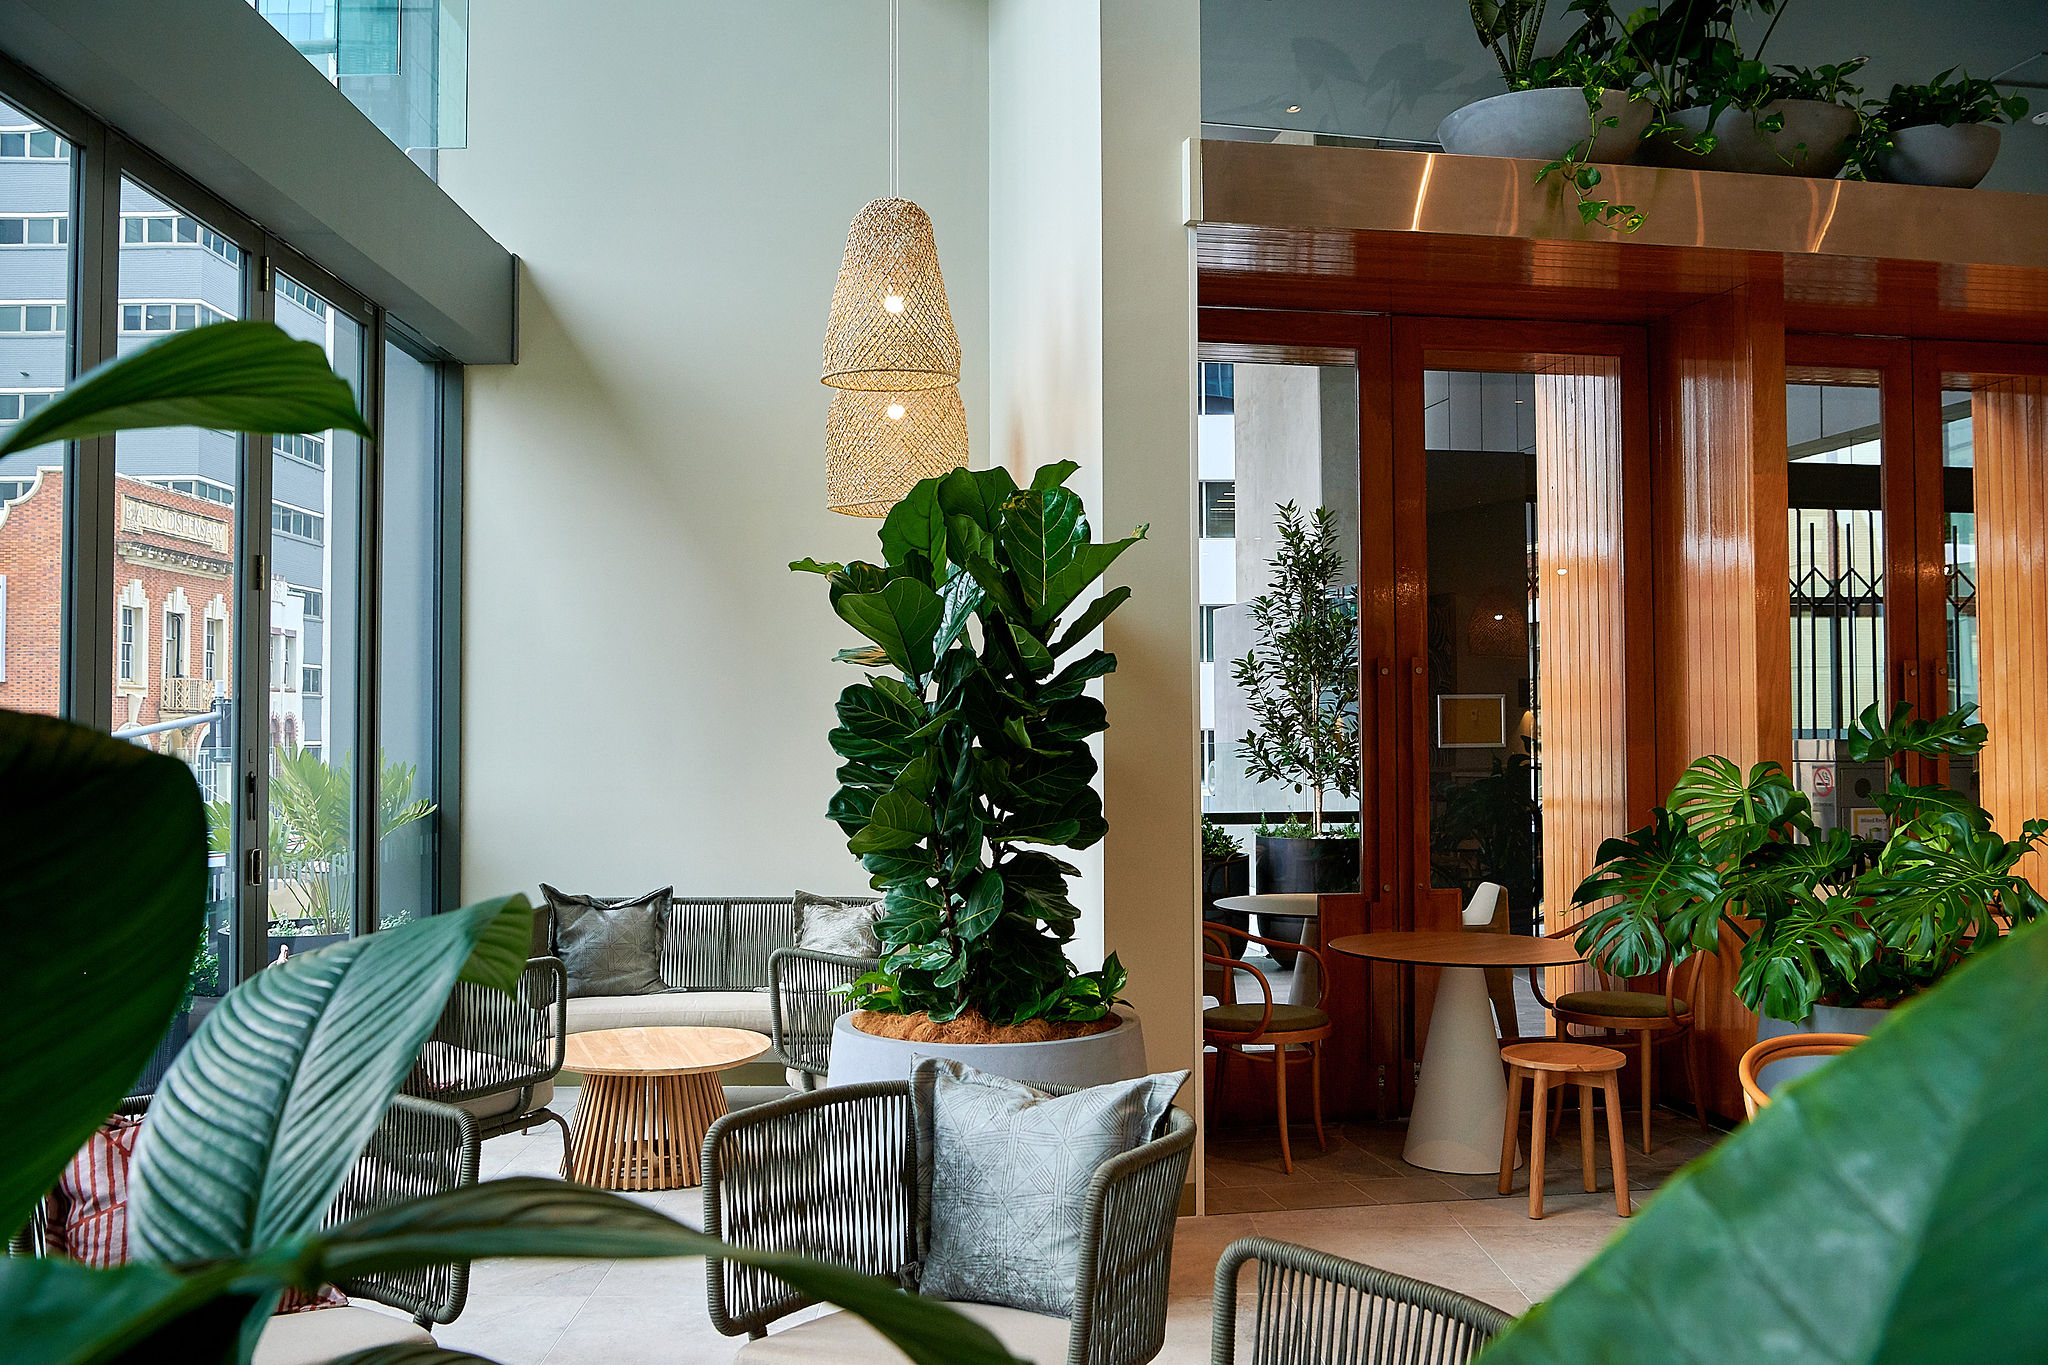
(843, 1339)
(323, 1334)
(691, 1009)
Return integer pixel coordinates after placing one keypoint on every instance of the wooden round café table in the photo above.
(648, 1096)
(1461, 1097)
(1307, 987)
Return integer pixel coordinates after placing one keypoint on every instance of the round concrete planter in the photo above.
(1824, 1019)
(1544, 125)
(1955, 158)
(1814, 142)
(1098, 1059)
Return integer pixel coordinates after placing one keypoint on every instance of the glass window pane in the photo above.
(408, 634)
(1959, 497)
(34, 363)
(174, 557)
(313, 730)
(1835, 525)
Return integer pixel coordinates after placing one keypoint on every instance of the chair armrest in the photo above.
(420, 1148)
(827, 1174)
(805, 1002)
(488, 1042)
(1127, 1250)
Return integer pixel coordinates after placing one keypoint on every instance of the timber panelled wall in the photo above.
(1580, 476)
(2009, 427)
(1723, 592)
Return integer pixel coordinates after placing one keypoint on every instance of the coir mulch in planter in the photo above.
(973, 1027)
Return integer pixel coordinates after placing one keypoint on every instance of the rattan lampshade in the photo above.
(1499, 627)
(872, 458)
(890, 330)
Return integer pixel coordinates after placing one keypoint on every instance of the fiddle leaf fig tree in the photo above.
(966, 760)
(1821, 917)
(1301, 680)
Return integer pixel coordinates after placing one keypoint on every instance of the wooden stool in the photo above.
(1580, 1064)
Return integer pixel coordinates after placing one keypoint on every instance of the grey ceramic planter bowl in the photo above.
(1825, 1019)
(1930, 154)
(1814, 142)
(1543, 125)
(1098, 1059)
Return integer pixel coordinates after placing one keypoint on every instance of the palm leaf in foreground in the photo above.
(1891, 1207)
(231, 376)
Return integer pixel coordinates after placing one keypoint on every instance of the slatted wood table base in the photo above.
(644, 1132)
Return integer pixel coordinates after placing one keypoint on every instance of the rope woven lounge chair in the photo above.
(829, 1174)
(1313, 1308)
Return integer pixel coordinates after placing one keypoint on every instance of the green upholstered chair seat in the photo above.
(1245, 1018)
(1619, 1004)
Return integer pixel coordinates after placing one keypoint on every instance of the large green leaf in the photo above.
(903, 618)
(977, 495)
(1643, 882)
(1891, 1208)
(232, 376)
(917, 523)
(102, 898)
(1733, 814)
(1872, 739)
(535, 1217)
(55, 1311)
(258, 1121)
(1940, 881)
(898, 820)
(1098, 611)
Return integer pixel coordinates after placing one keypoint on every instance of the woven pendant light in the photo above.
(878, 444)
(890, 330)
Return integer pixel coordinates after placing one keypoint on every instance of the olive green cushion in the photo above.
(1619, 1004)
(1245, 1018)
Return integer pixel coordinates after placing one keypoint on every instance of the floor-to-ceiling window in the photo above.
(207, 594)
(36, 187)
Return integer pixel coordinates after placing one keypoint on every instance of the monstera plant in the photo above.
(1821, 916)
(965, 754)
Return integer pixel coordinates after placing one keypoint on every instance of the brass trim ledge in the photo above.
(1262, 184)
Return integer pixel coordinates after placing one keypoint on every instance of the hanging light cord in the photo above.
(895, 154)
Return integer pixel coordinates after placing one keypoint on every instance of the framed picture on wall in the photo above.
(1471, 720)
(1868, 822)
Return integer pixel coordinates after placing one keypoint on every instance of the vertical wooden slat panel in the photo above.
(2009, 424)
(1723, 599)
(1581, 680)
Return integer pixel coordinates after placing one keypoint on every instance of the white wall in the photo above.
(646, 687)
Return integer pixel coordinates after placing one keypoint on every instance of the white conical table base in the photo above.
(1461, 1097)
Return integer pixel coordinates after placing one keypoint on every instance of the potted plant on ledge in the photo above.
(965, 760)
(1574, 104)
(1941, 133)
(1833, 930)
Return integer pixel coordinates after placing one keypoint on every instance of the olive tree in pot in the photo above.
(965, 761)
(1300, 683)
(1833, 931)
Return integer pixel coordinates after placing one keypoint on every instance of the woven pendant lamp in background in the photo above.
(878, 444)
(890, 330)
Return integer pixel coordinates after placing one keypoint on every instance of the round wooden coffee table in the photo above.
(648, 1096)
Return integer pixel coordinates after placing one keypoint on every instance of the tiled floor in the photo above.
(627, 1312)
(1363, 1165)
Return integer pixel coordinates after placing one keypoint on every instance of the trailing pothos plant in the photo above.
(966, 755)
(1592, 61)
(1940, 102)
(1821, 916)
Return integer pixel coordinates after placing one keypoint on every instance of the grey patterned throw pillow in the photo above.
(829, 925)
(1003, 1171)
(609, 947)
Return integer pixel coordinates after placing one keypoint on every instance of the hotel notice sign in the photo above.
(137, 515)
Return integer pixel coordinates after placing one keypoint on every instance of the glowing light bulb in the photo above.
(894, 412)
(1499, 617)
(893, 304)
(1293, 108)
(1560, 573)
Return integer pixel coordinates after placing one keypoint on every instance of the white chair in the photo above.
(1487, 913)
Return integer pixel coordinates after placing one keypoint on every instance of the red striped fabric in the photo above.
(88, 1211)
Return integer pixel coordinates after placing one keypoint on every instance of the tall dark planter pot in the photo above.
(1222, 877)
(1307, 866)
